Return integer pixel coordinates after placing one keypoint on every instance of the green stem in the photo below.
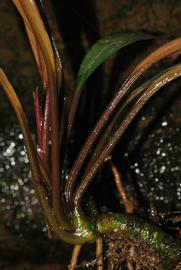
(166, 247)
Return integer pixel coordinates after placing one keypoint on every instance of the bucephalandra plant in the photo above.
(62, 205)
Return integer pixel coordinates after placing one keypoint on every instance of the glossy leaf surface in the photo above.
(104, 48)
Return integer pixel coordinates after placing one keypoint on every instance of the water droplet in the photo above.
(164, 124)
(162, 169)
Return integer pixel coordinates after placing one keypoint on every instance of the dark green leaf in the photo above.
(102, 49)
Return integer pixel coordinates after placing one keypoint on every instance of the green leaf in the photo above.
(102, 49)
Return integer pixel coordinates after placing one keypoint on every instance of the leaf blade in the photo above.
(98, 53)
(104, 48)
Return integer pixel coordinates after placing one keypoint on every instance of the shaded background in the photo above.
(149, 156)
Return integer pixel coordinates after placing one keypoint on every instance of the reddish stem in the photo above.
(42, 123)
(38, 116)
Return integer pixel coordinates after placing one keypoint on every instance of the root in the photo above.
(75, 254)
(99, 253)
(117, 177)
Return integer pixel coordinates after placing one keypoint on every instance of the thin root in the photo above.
(99, 252)
(117, 177)
(75, 254)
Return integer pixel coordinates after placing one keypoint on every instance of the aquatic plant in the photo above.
(144, 243)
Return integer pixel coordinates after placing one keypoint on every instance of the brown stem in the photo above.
(44, 42)
(32, 154)
(109, 130)
(38, 116)
(162, 52)
(44, 173)
(99, 253)
(49, 230)
(45, 143)
(74, 258)
(31, 16)
(72, 111)
(117, 177)
(167, 77)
